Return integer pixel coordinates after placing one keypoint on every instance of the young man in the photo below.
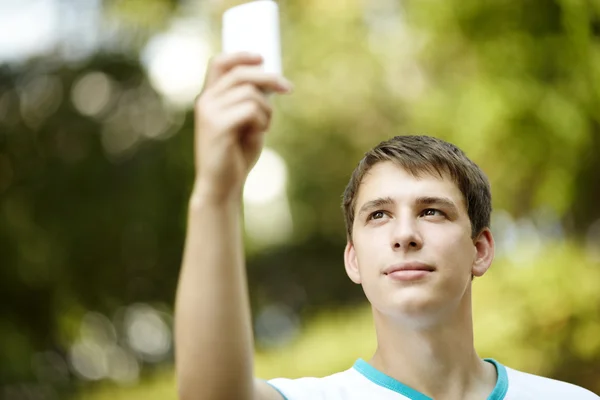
(417, 213)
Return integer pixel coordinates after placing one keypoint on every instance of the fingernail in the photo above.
(287, 86)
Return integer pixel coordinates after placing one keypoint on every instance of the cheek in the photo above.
(369, 246)
(369, 256)
(454, 247)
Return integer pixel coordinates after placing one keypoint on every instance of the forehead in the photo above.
(387, 179)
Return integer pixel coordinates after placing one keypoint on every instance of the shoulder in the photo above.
(524, 385)
(336, 386)
(312, 387)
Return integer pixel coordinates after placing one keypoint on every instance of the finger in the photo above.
(240, 75)
(254, 141)
(244, 93)
(223, 63)
(249, 118)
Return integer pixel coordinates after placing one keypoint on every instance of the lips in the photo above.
(408, 266)
(409, 272)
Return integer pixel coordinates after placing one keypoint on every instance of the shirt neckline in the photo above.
(381, 379)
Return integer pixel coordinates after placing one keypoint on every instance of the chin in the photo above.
(411, 302)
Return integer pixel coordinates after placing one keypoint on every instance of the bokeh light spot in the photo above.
(91, 93)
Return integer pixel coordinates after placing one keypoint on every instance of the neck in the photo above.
(437, 359)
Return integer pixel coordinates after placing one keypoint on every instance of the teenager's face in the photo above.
(419, 228)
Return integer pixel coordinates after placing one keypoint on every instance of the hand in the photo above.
(232, 115)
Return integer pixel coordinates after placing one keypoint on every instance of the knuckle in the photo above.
(239, 73)
(220, 125)
(249, 111)
(254, 108)
(250, 91)
(268, 109)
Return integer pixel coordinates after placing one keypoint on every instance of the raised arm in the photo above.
(213, 332)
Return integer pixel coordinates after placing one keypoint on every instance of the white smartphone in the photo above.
(254, 27)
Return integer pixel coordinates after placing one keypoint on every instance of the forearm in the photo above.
(212, 316)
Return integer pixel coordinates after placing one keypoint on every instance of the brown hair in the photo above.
(426, 154)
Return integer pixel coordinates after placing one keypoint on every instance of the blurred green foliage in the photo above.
(528, 317)
(515, 84)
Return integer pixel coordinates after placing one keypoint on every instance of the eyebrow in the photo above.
(439, 201)
(420, 201)
(378, 202)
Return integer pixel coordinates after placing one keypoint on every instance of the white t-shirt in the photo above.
(364, 382)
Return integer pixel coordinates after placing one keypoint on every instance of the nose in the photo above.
(406, 235)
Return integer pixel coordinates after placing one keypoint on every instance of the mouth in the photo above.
(408, 271)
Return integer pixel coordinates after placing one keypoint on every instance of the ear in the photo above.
(484, 252)
(351, 263)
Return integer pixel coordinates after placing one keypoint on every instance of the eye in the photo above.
(376, 215)
(432, 212)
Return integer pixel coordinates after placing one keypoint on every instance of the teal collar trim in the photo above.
(501, 383)
(381, 379)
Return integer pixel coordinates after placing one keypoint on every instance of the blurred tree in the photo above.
(92, 217)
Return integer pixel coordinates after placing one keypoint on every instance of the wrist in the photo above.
(206, 193)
